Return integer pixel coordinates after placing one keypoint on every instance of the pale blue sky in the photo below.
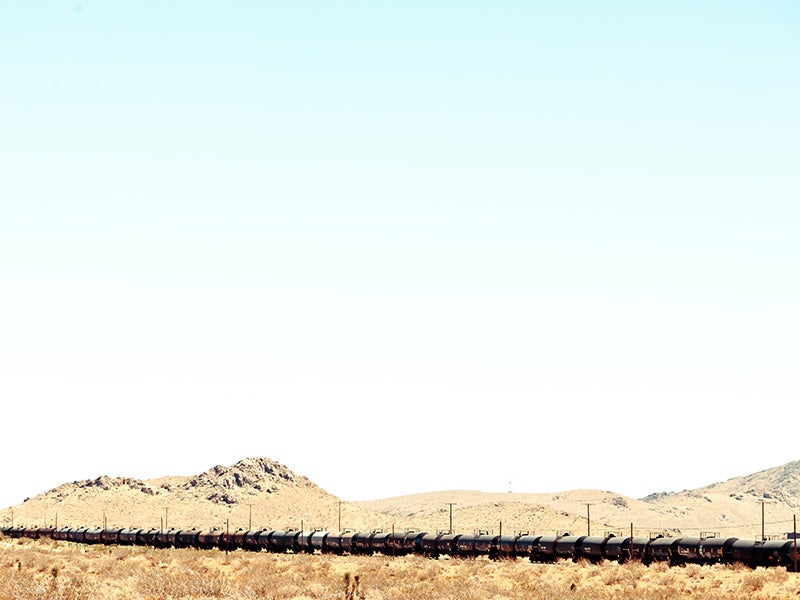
(358, 236)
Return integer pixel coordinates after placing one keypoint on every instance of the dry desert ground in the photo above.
(50, 570)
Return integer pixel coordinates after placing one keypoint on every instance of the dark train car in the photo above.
(263, 539)
(30, 532)
(465, 545)
(129, 536)
(340, 542)
(662, 550)
(568, 546)
(470, 545)
(616, 548)
(745, 552)
(16, 532)
(333, 543)
(361, 543)
(428, 546)
(186, 538)
(75, 534)
(238, 538)
(62, 533)
(593, 548)
(638, 547)
(149, 537)
(166, 538)
(316, 541)
(110, 535)
(413, 541)
(209, 539)
(687, 550)
(446, 543)
(283, 541)
(524, 545)
(775, 553)
(250, 541)
(623, 549)
(791, 554)
(503, 547)
(232, 540)
(401, 544)
(302, 542)
(379, 542)
(346, 542)
(545, 549)
(45, 532)
(93, 535)
(716, 550)
(395, 544)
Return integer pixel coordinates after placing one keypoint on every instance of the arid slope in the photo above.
(261, 493)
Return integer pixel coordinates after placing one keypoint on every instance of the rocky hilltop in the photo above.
(776, 483)
(254, 492)
(220, 484)
(238, 482)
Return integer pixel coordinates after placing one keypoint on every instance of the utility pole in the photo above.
(166, 518)
(451, 504)
(794, 554)
(250, 518)
(630, 546)
(763, 537)
(588, 521)
(340, 515)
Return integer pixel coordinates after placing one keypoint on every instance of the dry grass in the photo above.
(60, 570)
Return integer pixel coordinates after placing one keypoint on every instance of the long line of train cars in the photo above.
(536, 548)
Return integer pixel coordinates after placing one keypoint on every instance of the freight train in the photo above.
(536, 548)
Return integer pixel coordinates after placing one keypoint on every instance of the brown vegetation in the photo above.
(49, 570)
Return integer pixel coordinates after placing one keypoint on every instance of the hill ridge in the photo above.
(262, 493)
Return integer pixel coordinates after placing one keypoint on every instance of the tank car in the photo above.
(186, 538)
(545, 549)
(129, 536)
(209, 539)
(716, 550)
(593, 548)
(503, 547)
(568, 546)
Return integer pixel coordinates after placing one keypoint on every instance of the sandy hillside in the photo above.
(262, 493)
(730, 508)
(254, 491)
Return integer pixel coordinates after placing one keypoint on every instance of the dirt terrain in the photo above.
(261, 493)
(50, 570)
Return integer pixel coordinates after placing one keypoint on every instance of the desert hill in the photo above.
(261, 493)
(738, 502)
(777, 482)
(254, 492)
(730, 508)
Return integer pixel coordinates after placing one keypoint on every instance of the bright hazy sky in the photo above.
(400, 247)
